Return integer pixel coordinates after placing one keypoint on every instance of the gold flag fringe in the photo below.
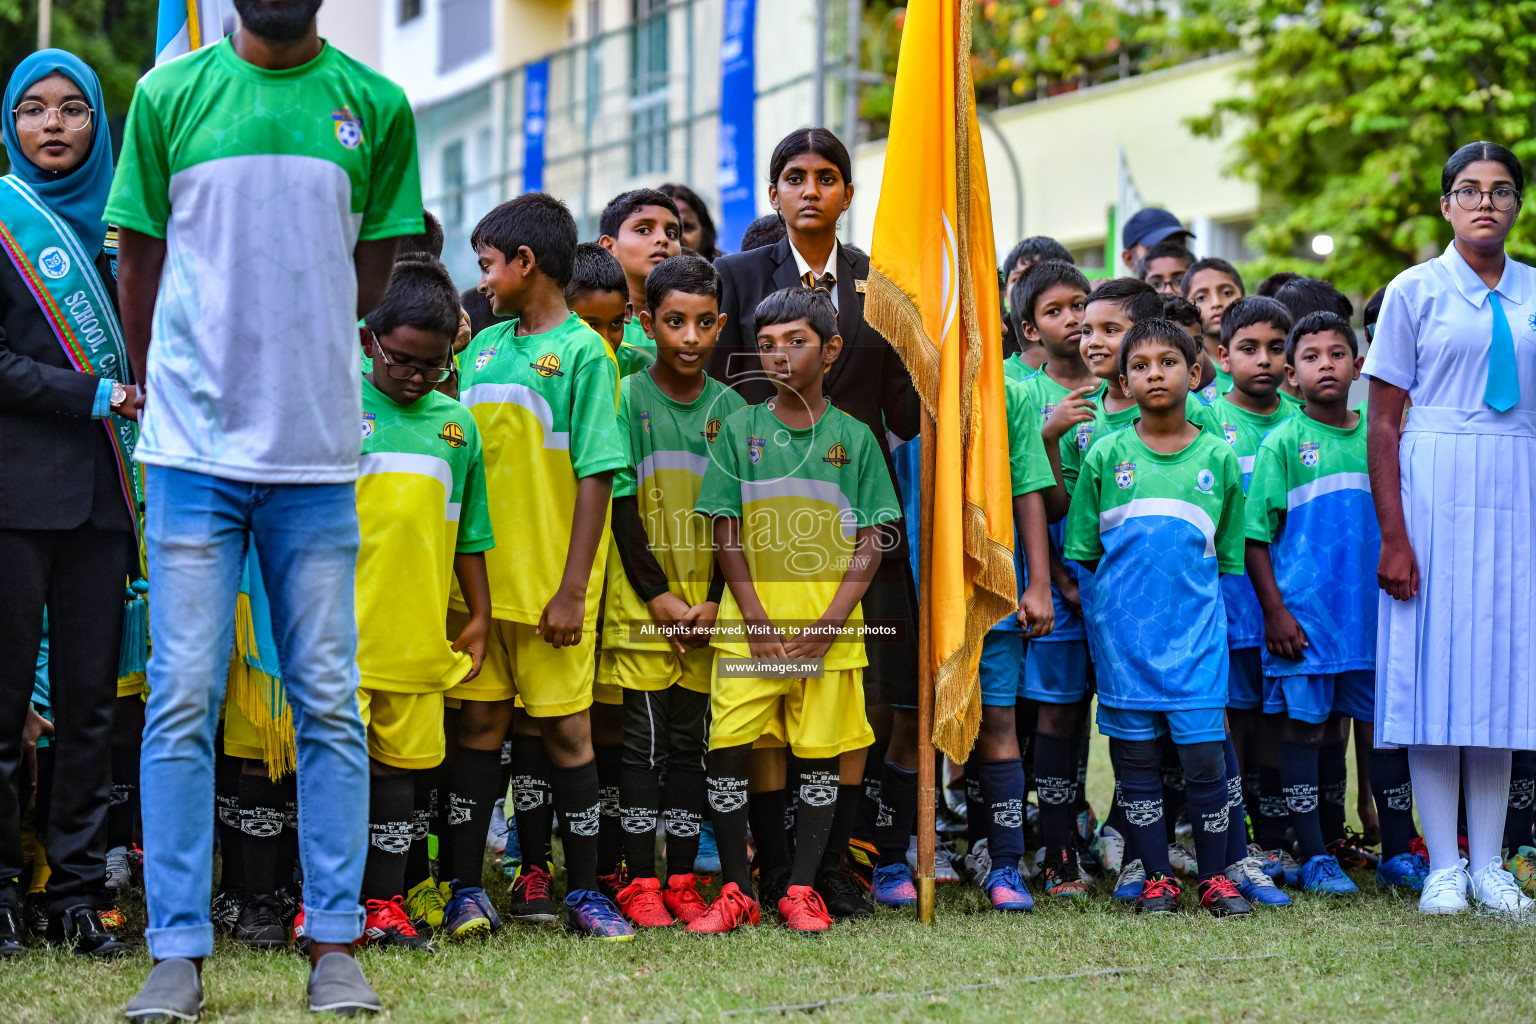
(260, 698)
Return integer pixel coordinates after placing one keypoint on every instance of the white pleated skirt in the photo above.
(1454, 664)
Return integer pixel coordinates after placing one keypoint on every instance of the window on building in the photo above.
(453, 184)
(648, 87)
(463, 32)
(410, 10)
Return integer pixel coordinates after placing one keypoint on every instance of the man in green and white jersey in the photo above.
(262, 186)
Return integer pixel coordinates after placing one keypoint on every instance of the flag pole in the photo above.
(925, 683)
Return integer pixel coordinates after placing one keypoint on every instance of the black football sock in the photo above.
(1002, 790)
(1116, 819)
(123, 811)
(847, 809)
(505, 780)
(685, 816)
(1237, 813)
(1175, 800)
(1055, 781)
(263, 820)
(792, 765)
(813, 820)
(289, 870)
(1080, 777)
(1298, 781)
(639, 811)
(472, 780)
(1138, 768)
(898, 812)
(1332, 789)
(577, 801)
(610, 836)
(1251, 798)
(391, 801)
(532, 803)
(869, 796)
(1274, 814)
(1205, 786)
(1392, 789)
(976, 827)
(1521, 815)
(766, 812)
(418, 863)
(684, 794)
(226, 803)
(726, 788)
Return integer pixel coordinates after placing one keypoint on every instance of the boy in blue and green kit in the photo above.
(1156, 519)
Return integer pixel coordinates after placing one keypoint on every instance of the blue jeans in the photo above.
(197, 528)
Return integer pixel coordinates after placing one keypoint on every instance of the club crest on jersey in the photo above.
(1084, 436)
(1229, 432)
(349, 130)
(755, 449)
(712, 429)
(1310, 453)
(1204, 481)
(1125, 474)
(548, 365)
(837, 455)
(367, 425)
(1046, 410)
(453, 434)
(645, 421)
(1209, 393)
(485, 355)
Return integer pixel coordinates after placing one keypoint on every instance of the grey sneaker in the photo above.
(337, 985)
(173, 992)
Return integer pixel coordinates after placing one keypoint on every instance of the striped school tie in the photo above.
(827, 281)
(1502, 391)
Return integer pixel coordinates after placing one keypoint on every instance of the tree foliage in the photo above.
(116, 37)
(1351, 109)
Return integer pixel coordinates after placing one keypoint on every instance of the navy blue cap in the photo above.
(1150, 226)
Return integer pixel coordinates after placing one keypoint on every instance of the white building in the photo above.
(633, 98)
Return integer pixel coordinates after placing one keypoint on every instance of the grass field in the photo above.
(1365, 959)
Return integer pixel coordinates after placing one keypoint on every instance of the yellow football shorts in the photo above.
(518, 663)
(240, 737)
(405, 730)
(815, 717)
(606, 689)
(627, 669)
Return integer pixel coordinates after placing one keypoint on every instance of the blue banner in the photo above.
(535, 120)
(738, 97)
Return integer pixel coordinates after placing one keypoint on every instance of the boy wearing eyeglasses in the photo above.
(423, 520)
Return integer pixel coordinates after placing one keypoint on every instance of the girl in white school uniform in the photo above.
(1456, 661)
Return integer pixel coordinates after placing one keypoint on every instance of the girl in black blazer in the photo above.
(811, 185)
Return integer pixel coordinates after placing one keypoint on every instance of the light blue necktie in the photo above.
(1503, 389)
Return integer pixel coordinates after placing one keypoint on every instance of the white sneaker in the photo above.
(944, 857)
(944, 860)
(119, 874)
(1497, 892)
(1445, 890)
(1182, 859)
(978, 862)
(1109, 847)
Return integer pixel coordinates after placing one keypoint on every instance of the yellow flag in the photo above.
(933, 294)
